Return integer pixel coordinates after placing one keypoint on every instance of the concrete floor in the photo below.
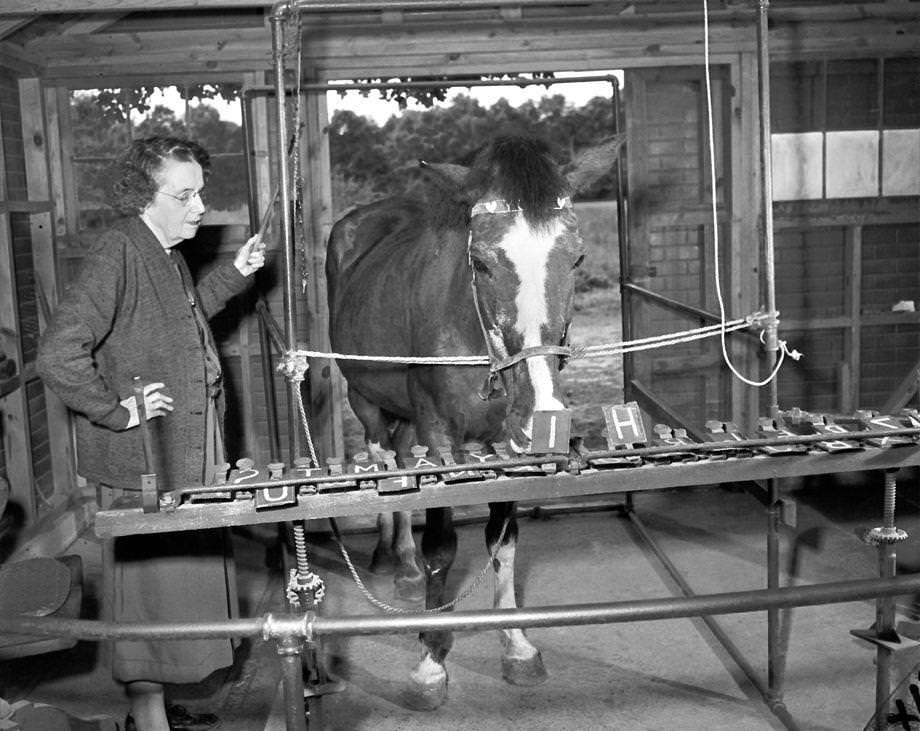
(668, 674)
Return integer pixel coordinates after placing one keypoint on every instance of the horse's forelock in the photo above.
(526, 176)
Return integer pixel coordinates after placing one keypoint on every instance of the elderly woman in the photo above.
(134, 312)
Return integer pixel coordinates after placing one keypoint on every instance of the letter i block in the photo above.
(276, 497)
(551, 432)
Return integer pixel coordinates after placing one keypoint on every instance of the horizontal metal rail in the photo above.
(309, 627)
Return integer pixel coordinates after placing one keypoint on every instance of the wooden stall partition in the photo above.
(16, 465)
(745, 269)
(40, 133)
(672, 268)
(326, 385)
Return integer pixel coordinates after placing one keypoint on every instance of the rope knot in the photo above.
(763, 320)
(293, 366)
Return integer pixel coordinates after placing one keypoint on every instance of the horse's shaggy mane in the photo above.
(523, 172)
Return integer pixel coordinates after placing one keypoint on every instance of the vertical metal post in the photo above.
(766, 168)
(776, 660)
(284, 184)
(887, 538)
(623, 244)
(265, 346)
(295, 711)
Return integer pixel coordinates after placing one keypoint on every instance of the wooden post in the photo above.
(14, 429)
(40, 134)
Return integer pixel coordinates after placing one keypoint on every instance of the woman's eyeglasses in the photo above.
(186, 198)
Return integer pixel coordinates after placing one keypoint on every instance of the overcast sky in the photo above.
(380, 111)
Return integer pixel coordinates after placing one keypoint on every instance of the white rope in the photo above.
(589, 351)
(783, 350)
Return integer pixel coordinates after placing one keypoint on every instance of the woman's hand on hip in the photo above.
(156, 403)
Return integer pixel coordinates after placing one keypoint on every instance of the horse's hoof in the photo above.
(409, 584)
(524, 671)
(383, 562)
(426, 696)
(409, 590)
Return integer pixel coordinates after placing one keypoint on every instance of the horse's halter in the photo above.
(496, 365)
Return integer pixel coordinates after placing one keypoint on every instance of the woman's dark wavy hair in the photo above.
(135, 171)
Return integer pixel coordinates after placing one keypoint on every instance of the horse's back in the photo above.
(358, 232)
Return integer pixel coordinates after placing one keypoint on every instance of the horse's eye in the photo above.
(578, 262)
(480, 266)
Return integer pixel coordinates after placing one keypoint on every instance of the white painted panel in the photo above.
(901, 162)
(852, 164)
(797, 166)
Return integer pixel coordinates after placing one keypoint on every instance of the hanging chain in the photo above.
(461, 596)
(297, 164)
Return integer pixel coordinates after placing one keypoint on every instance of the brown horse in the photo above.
(482, 264)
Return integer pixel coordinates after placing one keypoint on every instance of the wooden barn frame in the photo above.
(37, 213)
(667, 271)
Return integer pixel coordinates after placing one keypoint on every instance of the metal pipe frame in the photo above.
(310, 627)
(771, 599)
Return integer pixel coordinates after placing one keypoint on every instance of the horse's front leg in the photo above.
(428, 688)
(521, 661)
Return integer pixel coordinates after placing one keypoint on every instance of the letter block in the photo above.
(418, 459)
(873, 421)
(335, 469)
(676, 437)
(475, 453)
(396, 483)
(726, 432)
(833, 429)
(447, 459)
(768, 428)
(551, 432)
(303, 467)
(625, 427)
(363, 464)
(276, 497)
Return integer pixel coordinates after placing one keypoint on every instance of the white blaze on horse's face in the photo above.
(525, 283)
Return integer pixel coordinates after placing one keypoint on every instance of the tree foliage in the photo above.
(368, 160)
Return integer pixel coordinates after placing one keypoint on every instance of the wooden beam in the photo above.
(90, 24)
(31, 7)
(13, 23)
(642, 10)
(40, 143)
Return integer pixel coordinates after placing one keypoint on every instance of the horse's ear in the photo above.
(592, 163)
(445, 175)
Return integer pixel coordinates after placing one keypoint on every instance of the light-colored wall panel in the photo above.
(851, 164)
(797, 166)
(901, 162)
